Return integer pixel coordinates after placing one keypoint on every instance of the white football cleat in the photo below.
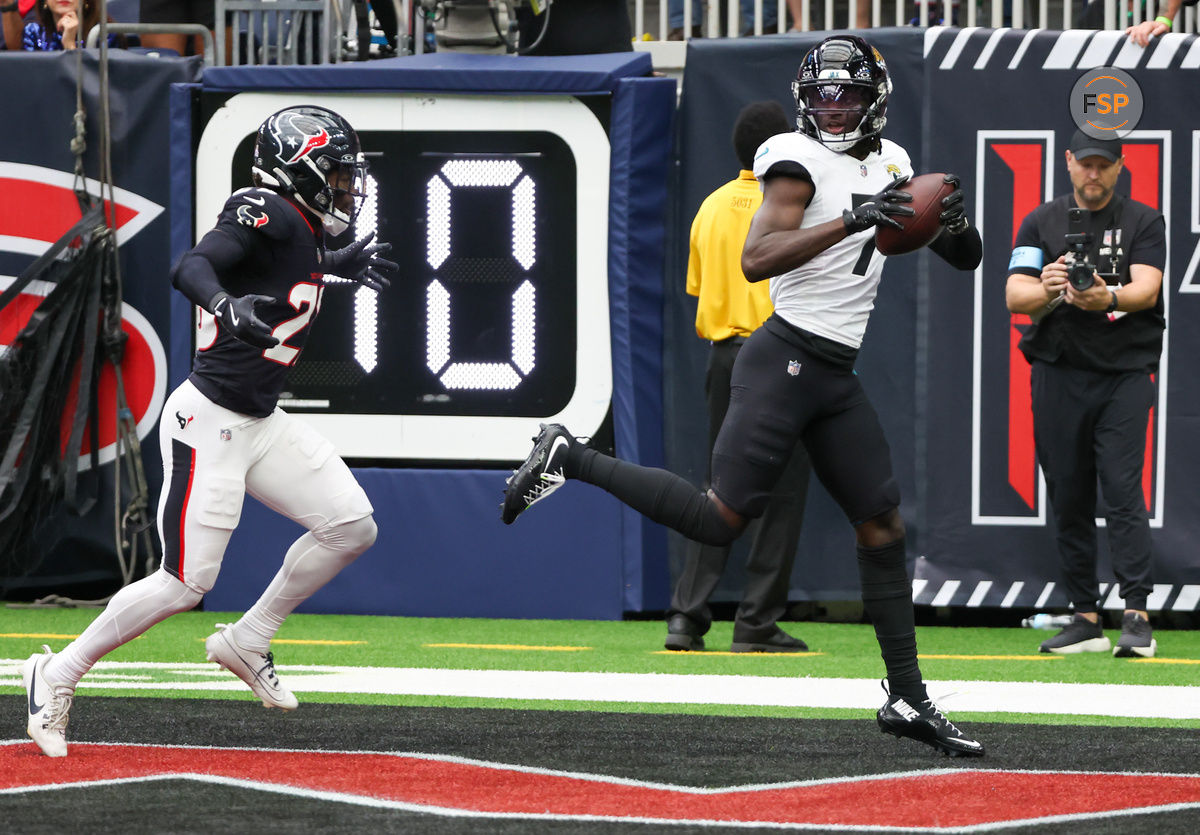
(49, 706)
(255, 668)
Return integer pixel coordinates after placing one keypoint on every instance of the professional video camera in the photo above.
(1079, 243)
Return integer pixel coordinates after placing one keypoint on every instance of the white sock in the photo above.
(313, 560)
(132, 611)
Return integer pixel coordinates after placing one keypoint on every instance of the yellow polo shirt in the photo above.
(728, 305)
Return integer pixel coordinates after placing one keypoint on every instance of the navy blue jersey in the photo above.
(263, 244)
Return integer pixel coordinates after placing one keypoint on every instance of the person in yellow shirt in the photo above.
(728, 309)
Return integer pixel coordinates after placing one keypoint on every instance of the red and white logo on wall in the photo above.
(39, 206)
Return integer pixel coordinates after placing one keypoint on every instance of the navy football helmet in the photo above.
(841, 92)
(312, 154)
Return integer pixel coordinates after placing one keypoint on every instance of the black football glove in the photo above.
(954, 214)
(879, 209)
(236, 315)
(361, 262)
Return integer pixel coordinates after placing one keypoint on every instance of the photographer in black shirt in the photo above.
(1094, 350)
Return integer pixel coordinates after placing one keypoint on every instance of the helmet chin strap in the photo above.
(334, 225)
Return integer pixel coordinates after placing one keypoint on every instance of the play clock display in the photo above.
(496, 209)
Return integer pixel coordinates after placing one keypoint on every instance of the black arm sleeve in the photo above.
(197, 273)
(790, 168)
(963, 251)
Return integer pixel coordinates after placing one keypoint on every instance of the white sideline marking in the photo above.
(1126, 700)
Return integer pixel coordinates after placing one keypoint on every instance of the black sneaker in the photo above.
(540, 475)
(1137, 638)
(1080, 635)
(683, 635)
(778, 641)
(923, 722)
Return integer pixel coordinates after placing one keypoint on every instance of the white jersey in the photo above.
(832, 294)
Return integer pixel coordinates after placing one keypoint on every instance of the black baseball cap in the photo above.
(1083, 145)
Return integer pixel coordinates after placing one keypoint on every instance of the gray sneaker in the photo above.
(1137, 638)
(1080, 635)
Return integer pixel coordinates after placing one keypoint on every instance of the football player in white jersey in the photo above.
(825, 189)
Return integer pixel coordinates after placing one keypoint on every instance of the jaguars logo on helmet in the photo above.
(846, 75)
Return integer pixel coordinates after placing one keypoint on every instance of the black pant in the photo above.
(776, 533)
(1090, 425)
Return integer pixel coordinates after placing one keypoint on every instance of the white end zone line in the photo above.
(1118, 700)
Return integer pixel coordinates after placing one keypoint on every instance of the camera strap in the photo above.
(1112, 248)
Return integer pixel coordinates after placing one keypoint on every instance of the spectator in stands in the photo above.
(178, 11)
(675, 20)
(862, 17)
(1161, 25)
(728, 310)
(60, 24)
(389, 23)
(14, 16)
(578, 27)
(770, 11)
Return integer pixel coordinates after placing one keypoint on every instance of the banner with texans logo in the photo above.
(38, 181)
(940, 360)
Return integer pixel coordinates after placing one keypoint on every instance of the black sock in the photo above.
(887, 599)
(659, 495)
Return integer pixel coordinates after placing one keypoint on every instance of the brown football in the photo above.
(919, 230)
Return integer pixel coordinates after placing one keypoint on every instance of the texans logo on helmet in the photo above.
(247, 217)
(40, 205)
(313, 135)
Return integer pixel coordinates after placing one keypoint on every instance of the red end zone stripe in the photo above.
(940, 799)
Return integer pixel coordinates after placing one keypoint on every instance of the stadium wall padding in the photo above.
(937, 360)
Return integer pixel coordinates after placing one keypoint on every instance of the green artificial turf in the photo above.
(838, 650)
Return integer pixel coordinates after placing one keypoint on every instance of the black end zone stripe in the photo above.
(183, 465)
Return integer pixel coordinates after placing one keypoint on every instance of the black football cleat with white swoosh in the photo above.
(540, 475)
(922, 721)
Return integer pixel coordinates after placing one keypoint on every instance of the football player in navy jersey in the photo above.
(825, 190)
(257, 278)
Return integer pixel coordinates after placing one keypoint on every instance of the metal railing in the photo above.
(118, 28)
(276, 32)
(651, 17)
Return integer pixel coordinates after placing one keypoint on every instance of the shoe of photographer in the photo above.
(1080, 635)
(1137, 638)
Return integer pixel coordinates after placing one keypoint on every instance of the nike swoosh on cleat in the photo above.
(34, 707)
(554, 447)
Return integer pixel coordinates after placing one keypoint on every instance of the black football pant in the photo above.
(1091, 426)
(776, 532)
